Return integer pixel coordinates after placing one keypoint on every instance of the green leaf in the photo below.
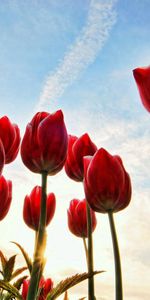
(66, 296)
(10, 288)
(19, 282)
(3, 297)
(9, 267)
(17, 285)
(8, 296)
(26, 256)
(64, 285)
(18, 272)
(3, 260)
(1, 272)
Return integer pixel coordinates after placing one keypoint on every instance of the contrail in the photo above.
(101, 17)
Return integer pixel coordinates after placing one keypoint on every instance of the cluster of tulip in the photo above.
(45, 149)
(9, 148)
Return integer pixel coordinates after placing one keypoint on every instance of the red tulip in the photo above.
(142, 78)
(77, 218)
(106, 183)
(2, 157)
(5, 196)
(45, 285)
(44, 145)
(77, 148)
(10, 137)
(31, 209)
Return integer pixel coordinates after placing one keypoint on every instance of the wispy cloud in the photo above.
(101, 17)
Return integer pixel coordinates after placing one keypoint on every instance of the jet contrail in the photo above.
(101, 18)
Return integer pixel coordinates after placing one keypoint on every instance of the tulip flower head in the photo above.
(5, 196)
(44, 145)
(142, 78)
(31, 209)
(45, 286)
(77, 218)
(77, 149)
(10, 138)
(107, 185)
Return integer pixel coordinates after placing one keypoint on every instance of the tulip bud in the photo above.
(77, 218)
(77, 149)
(44, 145)
(10, 137)
(5, 196)
(142, 78)
(45, 285)
(107, 185)
(31, 209)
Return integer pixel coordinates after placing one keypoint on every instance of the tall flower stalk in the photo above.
(107, 189)
(43, 151)
(118, 274)
(90, 263)
(82, 222)
(40, 245)
(85, 249)
(77, 149)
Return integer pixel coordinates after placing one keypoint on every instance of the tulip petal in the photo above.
(53, 141)
(107, 185)
(5, 196)
(10, 137)
(142, 78)
(77, 218)
(77, 149)
(32, 206)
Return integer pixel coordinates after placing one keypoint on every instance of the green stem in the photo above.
(40, 245)
(86, 250)
(1, 293)
(90, 254)
(118, 275)
(35, 240)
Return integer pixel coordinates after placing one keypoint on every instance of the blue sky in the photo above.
(79, 56)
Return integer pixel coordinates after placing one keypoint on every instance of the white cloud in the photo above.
(101, 18)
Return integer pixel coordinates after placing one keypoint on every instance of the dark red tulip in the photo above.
(45, 285)
(77, 148)
(44, 145)
(77, 218)
(142, 78)
(2, 157)
(31, 209)
(5, 196)
(106, 183)
(10, 137)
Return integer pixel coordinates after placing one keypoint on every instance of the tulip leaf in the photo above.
(26, 256)
(17, 285)
(8, 297)
(64, 285)
(3, 260)
(18, 272)
(9, 267)
(10, 288)
(66, 296)
(19, 282)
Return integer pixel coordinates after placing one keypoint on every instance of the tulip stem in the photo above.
(40, 244)
(90, 254)
(86, 249)
(118, 275)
